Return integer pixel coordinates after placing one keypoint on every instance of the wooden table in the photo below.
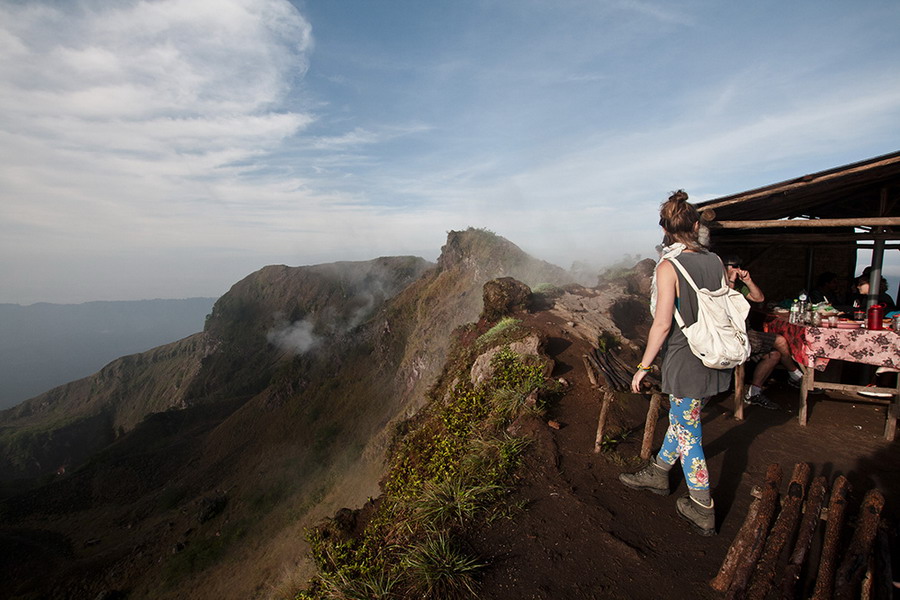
(813, 347)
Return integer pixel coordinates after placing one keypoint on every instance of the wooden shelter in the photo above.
(788, 233)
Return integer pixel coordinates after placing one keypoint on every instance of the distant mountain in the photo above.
(45, 345)
(191, 470)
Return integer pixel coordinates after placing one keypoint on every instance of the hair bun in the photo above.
(679, 196)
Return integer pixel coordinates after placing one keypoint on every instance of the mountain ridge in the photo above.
(288, 437)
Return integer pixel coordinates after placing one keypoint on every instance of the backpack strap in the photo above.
(689, 279)
(684, 272)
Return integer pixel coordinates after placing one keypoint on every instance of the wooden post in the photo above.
(650, 425)
(739, 392)
(812, 512)
(608, 398)
(756, 538)
(893, 413)
(589, 369)
(836, 507)
(781, 532)
(806, 384)
(856, 559)
(744, 538)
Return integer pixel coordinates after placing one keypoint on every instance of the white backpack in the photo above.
(719, 337)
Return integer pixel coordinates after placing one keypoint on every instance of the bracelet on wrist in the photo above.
(641, 367)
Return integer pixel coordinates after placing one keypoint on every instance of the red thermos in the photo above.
(876, 314)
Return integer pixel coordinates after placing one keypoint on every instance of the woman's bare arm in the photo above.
(666, 292)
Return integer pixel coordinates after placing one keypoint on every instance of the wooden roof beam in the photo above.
(784, 223)
(888, 162)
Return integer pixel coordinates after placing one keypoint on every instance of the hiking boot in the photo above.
(650, 478)
(761, 399)
(702, 518)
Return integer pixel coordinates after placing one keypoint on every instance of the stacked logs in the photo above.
(613, 370)
(777, 534)
(607, 364)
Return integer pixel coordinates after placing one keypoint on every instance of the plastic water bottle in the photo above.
(804, 308)
(795, 312)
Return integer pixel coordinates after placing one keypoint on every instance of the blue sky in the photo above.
(169, 148)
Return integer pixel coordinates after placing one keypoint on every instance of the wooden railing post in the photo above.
(650, 425)
(605, 402)
(739, 392)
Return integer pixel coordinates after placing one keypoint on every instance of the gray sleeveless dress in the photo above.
(683, 374)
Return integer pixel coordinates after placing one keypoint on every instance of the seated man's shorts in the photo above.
(761, 343)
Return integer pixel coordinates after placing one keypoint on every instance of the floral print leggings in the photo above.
(684, 440)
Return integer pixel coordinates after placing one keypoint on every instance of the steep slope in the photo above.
(63, 427)
(285, 420)
(265, 317)
(319, 432)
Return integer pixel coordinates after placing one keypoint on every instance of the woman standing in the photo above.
(684, 377)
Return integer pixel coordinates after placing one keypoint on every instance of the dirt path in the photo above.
(582, 534)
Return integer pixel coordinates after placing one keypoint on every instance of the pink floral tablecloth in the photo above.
(815, 346)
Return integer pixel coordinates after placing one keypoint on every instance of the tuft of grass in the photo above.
(612, 440)
(548, 290)
(437, 568)
(507, 510)
(452, 502)
(607, 341)
(509, 403)
(380, 585)
(503, 326)
(495, 457)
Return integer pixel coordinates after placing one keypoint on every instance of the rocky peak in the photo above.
(487, 255)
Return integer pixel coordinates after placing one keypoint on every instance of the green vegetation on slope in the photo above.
(452, 465)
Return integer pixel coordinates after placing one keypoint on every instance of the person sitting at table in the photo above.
(766, 349)
(827, 289)
(861, 295)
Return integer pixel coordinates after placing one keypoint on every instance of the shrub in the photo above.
(437, 568)
(547, 290)
(452, 502)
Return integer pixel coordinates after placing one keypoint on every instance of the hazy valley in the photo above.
(45, 345)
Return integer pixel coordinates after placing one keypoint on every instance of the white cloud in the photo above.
(661, 11)
(116, 119)
(161, 144)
